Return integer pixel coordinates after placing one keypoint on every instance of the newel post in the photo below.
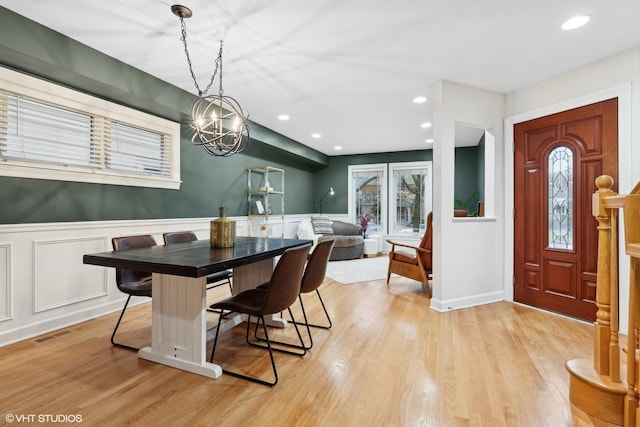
(602, 330)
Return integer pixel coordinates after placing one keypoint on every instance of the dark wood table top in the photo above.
(194, 259)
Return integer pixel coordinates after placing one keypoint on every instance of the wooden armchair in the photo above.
(413, 262)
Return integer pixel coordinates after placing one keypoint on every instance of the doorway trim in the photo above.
(623, 93)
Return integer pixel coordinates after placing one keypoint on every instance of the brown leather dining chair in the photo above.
(413, 262)
(281, 292)
(133, 283)
(213, 280)
(314, 274)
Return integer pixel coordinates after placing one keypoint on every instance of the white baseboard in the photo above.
(470, 301)
(35, 329)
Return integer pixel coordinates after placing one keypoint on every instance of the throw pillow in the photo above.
(321, 225)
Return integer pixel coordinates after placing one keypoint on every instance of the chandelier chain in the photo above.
(219, 123)
(219, 68)
(218, 63)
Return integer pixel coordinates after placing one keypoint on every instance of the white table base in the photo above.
(178, 325)
(178, 320)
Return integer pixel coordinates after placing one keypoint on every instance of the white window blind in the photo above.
(51, 132)
(38, 132)
(136, 150)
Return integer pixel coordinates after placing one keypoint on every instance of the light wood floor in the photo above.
(388, 361)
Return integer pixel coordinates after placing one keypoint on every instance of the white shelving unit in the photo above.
(265, 197)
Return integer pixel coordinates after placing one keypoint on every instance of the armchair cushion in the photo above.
(405, 256)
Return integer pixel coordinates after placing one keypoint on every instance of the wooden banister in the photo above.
(606, 349)
(632, 249)
(597, 386)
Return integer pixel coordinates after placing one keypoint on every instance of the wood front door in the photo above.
(557, 159)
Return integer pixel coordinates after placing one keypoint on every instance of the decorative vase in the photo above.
(223, 231)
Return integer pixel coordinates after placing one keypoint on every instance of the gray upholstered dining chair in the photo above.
(213, 280)
(133, 283)
(281, 292)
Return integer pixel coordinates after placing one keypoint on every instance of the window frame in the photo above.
(387, 200)
(377, 167)
(428, 202)
(53, 94)
(569, 245)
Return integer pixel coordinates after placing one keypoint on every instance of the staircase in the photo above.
(604, 387)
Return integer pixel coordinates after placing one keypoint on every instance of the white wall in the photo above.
(618, 75)
(45, 286)
(468, 253)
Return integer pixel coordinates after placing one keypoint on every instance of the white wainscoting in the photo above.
(5, 280)
(55, 284)
(44, 285)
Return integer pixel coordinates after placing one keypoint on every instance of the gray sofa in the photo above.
(349, 241)
(349, 237)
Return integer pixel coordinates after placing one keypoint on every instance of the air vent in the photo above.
(50, 337)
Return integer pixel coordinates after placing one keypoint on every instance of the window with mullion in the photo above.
(52, 132)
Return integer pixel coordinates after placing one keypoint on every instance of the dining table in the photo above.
(178, 303)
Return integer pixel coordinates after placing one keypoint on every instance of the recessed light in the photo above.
(428, 140)
(575, 22)
(337, 148)
(316, 135)
(283, 117)
(425, 125)
(420, 99)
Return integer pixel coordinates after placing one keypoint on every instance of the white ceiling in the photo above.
(347, 69)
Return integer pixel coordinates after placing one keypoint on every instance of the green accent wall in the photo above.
(481, 160)
(208, 182)
(466, 175)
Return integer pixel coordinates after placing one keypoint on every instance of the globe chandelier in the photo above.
(220, 125)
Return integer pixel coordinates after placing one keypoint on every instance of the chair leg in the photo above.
(215, 310)
(220, 284)
(326, 313)
(427, 289)
(246, 377)
(215, 339)
(306, 322)
(113, 335)
(301, 346)
(230, 290)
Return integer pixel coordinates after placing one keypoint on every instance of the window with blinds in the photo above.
(67, 135)
(37, 132)
(136, 150)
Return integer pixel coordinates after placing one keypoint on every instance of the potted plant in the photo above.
(462, 206)
(364, 219)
